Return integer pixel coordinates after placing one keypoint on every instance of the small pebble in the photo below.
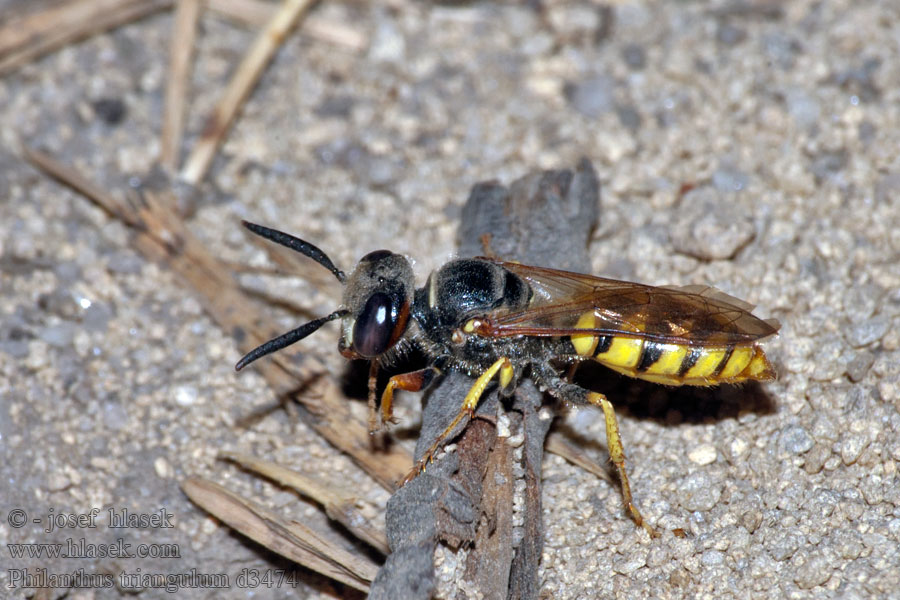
(102, 463)
(813, 572)
(388, 44)
(592, 97)
(795, 439)
(59, 335)
(888, 187)
(859, 365)
(115, 416)
(783, 546)
(14, 348)
(730, 35)
(109, 110)
(709, 228)
(186, 395)
(751, 520)
(57, 481)
(37, 355)
(852, 445)
(658, 556)
(712, 558)
(831, 359)
(698, 492)
(803, 107)
(737, 447)
(631, 563)
(889, 389)
(124, 262)
(869, 331)
(163, 468)
(848, 544)
(781, 48)
(828, 164)
(97, 316)
(729, 179)
(635, 56)
(629, 117)
(816, 458)
(703, 455)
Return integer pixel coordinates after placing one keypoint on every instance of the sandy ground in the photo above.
(748, 145)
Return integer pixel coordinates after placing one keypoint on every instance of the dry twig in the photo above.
(243, 81)
(256, 13)
(181, 49)
(25, 38)
(338, 505)
(293, 540)
(253, 13)
(558, 444)
(161, 236)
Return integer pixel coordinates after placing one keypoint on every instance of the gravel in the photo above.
(740, 146)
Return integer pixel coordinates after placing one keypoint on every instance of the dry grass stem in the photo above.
(337, 33)
(181, 52)
(248, 73)
(293, 540)
(256, 13)
(252, 13)
(558, 444)
(81, 184)
(27, 37)
(338, 504)
(161, 235)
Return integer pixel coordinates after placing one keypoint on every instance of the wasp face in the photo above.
(377, 299)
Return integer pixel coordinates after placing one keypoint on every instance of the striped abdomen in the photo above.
(676, 364)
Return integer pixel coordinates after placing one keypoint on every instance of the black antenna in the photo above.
(297, 245)
(284, 340)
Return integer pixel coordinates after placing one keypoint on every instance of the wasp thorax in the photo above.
(377, 297)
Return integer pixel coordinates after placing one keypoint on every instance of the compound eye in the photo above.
(374, 331)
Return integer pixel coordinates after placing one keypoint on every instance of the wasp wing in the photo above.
(691, 315)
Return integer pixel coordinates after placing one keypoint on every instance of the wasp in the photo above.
(494, 319)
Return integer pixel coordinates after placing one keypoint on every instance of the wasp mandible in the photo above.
(494, 319)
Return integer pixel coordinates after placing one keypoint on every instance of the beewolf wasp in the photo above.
(491, 318)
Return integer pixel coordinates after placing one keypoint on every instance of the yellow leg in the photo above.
(470, 403)
(617, 455)
(387, 401)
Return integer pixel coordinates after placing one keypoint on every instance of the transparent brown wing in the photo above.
(693, 315)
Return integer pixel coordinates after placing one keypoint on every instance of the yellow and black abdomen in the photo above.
(673, 363)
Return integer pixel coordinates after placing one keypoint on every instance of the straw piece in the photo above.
(243, 81)
(336, 32)
(256, 13)
(252, 13)
(338, 505)
(161, 236)
(558, 444)
(84, 186)
(293, 540)
(187, 14)
(27, 37)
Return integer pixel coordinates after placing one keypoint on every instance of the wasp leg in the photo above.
(486, 245)
(373, 383)
(573, 393)
(409, 382)
(470, 403)
(617, 455)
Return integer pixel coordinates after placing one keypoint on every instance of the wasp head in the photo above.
(377, 298)
(375, 307)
